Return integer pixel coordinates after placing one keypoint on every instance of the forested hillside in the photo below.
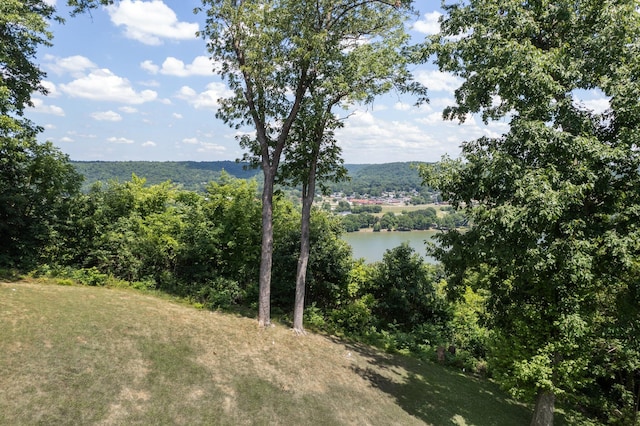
(370, 179)
(192, 175)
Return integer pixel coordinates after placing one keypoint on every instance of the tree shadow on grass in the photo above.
(436, 394)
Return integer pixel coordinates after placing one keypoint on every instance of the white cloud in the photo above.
(150, 22)
(52, 90)
(75, 65)
(208, 98)
(103, 85)
(149, 66)
(82, 135)
(128, 109)
(41, 107)
(211, 147)
(366, 135)
(201, 65)
(437, 81)
(106, 116)
(202, 146)
(120, 140)
(594, 100)
(150, 83)
(597, 105)
(401, 106)
(149, 144)
(177, 115)
(66, 139)
(431, 119)
(186, 93)
(429, 25)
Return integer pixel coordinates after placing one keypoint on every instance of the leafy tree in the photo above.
(313, 155)
(405, 292)
(343, 206)
(37, 183)
(271, 54)
(388, 220)
(36, 180)
(553, 202)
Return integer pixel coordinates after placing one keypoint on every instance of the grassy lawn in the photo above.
(84, 355)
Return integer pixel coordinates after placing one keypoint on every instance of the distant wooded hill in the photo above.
(372, 179)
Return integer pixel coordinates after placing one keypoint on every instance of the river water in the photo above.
(372, 245)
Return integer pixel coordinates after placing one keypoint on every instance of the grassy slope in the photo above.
(81, 355)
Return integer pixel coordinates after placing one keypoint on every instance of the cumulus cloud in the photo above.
(208, 98)
(429, 24)
(119, 140)
(106, 116)
(74, 65)
(150, 22)
(104, 85)
(41, 107)
(201, 65)
(149, 66)
(437, 81)
(149, 144)
(52, 90)
(128, 109)
(594, 100)
(202, 146)
(211, 147)
(366, 133)
(66, 139)
(177, 115)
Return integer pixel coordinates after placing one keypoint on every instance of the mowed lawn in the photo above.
(72, 355)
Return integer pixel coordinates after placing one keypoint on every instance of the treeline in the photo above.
(372, 179)
(416, 220)
(190, 175)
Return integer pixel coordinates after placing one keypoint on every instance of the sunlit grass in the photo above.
(86, 355)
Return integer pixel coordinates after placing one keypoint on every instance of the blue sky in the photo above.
(132, 82)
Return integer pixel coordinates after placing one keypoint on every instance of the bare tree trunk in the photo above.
(266, 255)
(308, 191)
(543, 411)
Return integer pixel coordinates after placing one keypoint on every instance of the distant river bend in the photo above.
(372, 245)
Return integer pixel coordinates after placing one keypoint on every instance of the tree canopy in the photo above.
(278, 55)
(553, 202)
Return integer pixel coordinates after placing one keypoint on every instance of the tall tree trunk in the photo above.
(308, 190)
(543, 411)
(266, 255)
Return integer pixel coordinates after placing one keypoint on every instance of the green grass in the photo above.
(74, 355)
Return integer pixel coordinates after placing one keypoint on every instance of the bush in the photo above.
(219, 293)
(354, 316)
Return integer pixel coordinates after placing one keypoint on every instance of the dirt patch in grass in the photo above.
(82, 355)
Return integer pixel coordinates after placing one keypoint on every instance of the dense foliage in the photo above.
(377, 179)
(554, 201)
(412, 220)
(36, 186)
